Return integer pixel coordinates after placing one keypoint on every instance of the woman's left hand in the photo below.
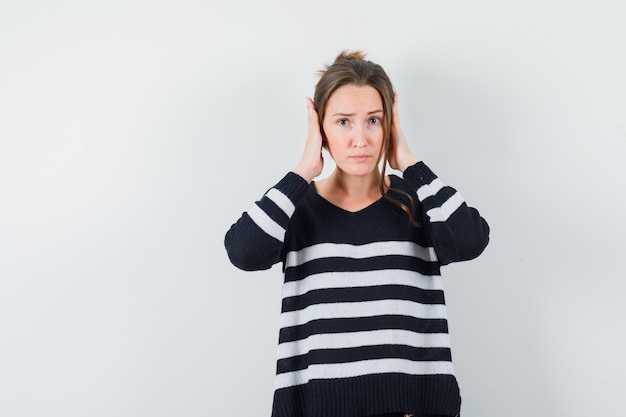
(400, 156)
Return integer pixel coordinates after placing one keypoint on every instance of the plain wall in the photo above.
(134, 133)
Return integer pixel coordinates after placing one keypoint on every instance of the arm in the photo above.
(255, 241)
(457, 231)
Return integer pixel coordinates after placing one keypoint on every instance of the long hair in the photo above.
(351, 67)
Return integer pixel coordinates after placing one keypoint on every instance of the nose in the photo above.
(359, 136)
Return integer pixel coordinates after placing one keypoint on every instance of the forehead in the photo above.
(354, 98)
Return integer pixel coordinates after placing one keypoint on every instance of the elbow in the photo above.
(245, 260)
(470, 245)
(477, 249)
(479, 240)
(245, 256)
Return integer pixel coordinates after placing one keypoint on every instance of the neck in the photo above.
(349, 192)
(362, 186)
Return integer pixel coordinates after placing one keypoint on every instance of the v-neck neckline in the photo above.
(336, 207)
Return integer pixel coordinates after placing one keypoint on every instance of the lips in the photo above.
(359, 158)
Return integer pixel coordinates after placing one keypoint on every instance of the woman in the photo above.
(363, 319)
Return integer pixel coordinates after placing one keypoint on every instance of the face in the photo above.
(353, 124)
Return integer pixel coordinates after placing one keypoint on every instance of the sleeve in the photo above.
(255, 241)
(456, 231)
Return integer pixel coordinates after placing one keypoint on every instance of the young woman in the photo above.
(363, 327)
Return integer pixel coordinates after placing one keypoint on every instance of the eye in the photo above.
(374, 120)
(343, 122)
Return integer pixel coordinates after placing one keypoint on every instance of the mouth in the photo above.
(359, 158)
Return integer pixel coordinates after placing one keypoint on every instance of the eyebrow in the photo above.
(352, 114)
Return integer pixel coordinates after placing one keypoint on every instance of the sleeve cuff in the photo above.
(418, 175)
(293, 186)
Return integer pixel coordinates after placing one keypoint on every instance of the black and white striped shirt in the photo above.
(363, 326)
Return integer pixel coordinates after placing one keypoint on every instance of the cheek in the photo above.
(378, 134)
(331, 134)
(333, 144)
(380, 140)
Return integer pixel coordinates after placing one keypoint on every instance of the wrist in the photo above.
(303, 173)
(408, 162)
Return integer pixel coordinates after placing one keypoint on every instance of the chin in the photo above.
(360, 171)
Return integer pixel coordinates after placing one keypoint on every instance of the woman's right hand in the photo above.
(312, 161)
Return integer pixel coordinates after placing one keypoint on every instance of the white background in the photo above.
(134, 133)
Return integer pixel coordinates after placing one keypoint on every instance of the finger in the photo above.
(395, 104)
(312, 113)
(310, 105)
